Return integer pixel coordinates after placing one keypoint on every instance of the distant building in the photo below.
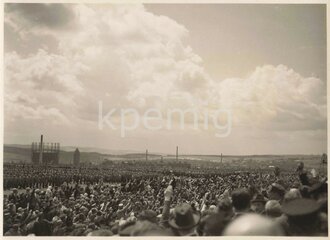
(76, 157)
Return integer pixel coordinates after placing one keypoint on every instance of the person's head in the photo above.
(292, 194)
(303, 216)
(276, 192)
(258, 203)
(56, 221)
(185, 220)
(300, 166)
(273, 209)
(93, 210)
(253, 225)
(241, 199)
(225, 205)
(214, 224)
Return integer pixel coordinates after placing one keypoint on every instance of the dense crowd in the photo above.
(103, 202)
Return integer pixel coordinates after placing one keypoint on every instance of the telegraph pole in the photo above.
(147, 155)
(177, 152)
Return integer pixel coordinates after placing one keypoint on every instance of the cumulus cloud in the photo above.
(126, 56)
(276, 97)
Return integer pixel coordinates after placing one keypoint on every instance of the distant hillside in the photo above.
(21, 153)
(81, 149)
(16, 153)
(98, 150)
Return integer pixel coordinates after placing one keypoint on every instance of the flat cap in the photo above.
(300, 207)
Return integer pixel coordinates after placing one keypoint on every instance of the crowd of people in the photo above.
(98, 202)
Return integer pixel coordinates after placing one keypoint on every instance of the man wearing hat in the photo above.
(258, 203)
(303, 217)
(276, 192)
(185, 221)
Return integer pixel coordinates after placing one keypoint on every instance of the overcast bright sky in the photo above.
(265, 63)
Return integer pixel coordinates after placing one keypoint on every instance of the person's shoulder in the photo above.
(282, 220)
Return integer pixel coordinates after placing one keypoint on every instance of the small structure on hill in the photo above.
(76, 157)
(45, 153)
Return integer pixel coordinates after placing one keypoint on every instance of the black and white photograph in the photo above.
(164, 119)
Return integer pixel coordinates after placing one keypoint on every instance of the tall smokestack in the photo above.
(41, 149)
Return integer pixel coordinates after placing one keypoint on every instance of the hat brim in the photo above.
(196, 218)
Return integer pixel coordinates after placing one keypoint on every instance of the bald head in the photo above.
(273, 209)
(253, 225)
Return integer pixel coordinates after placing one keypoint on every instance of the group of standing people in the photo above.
(291, 203)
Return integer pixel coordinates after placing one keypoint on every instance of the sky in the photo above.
(87, 75)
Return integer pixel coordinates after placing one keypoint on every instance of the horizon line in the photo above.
(173, 154)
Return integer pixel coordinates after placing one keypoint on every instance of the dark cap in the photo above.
(300, 207)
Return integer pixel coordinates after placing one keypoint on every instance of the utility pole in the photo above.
(147, 155)
(177, 152)
(221, 157)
